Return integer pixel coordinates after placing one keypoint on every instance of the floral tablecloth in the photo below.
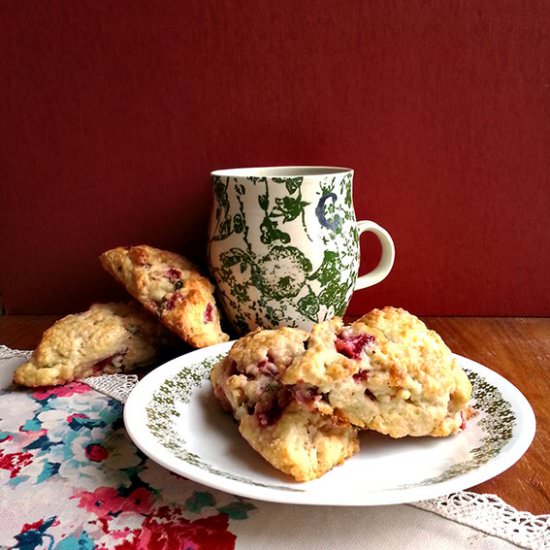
(70, 478)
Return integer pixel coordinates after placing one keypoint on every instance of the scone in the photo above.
(170, 287)
(105, 339)
(386, 372)
(292, 427)
(300, 397)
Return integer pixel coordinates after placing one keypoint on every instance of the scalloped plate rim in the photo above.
(298, 493)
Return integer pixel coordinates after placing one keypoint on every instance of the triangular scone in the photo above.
(105, 339)
(386, 372)
(170, 287)
(291, 427)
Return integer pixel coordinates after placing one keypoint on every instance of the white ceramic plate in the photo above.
(173, 418)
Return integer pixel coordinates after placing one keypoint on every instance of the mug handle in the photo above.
(380, 272)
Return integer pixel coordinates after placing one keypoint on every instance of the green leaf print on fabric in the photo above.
(199, 500)
(237, 510)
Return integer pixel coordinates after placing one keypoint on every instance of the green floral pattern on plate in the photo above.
(497, 421)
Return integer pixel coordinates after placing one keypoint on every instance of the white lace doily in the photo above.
(486, 513)
(490, 514)
(8, 353)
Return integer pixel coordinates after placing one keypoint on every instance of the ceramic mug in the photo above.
(284, 245)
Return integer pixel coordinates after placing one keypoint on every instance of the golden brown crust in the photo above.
(423, 390)
(171, 287)
(107, 338)
(402, 381)
(302, 444)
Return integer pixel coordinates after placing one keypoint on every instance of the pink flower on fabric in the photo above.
(166, 529)
(139, 500)
(105, 501)
(28, 439)
(101, 502)
(61, 391)
(13, 462)
(96, 452)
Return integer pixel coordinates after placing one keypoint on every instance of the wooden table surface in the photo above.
(517, 348)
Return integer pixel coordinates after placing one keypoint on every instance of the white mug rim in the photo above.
(281, 171)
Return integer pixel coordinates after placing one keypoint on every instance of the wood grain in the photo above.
(517, 348)
(24, 331)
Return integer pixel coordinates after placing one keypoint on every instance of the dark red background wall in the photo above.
(112, 115)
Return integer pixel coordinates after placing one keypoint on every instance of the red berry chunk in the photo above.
(361, 375)
(173, 275)
(268, 367)
(271, 405)
(306, 395)
(208, 313)
(352, 346)
(171, 302)
(463, 418)
(370, 395)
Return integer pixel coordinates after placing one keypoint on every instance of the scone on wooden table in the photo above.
(386, 372)
(105, 339)
(292, 427)
(170, 287)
